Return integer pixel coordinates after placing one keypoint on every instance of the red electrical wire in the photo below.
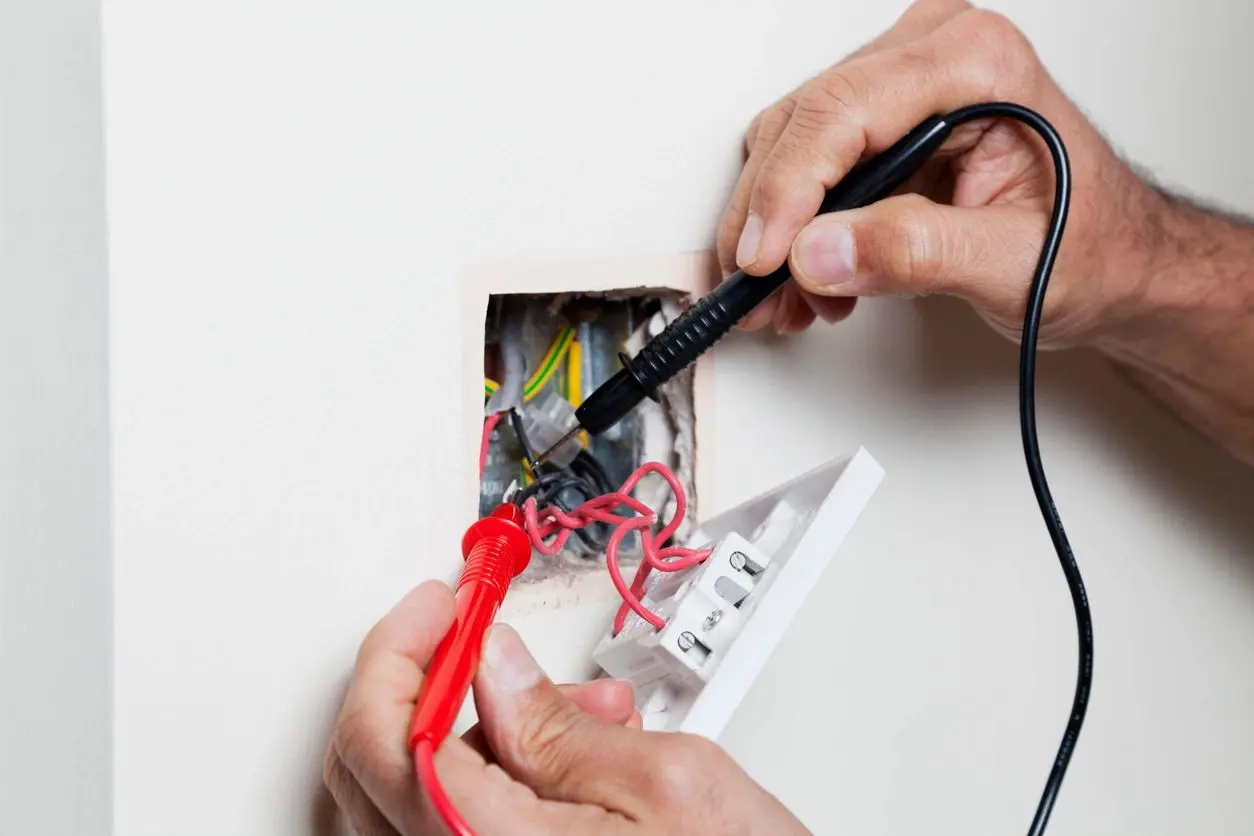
(489, 424)
(553, 522)
(424, 751)
(424, 768)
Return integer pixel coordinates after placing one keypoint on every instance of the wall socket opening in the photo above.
(545, 353)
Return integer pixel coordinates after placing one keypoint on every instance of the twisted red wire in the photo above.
(550, 527)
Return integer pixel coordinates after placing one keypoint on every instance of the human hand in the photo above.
(543, 759)
(970, 224)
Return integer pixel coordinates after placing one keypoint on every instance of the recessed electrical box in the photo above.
(543, 337)
(725, 616)
(543, 355)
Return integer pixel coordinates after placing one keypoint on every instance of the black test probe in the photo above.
(712, 316)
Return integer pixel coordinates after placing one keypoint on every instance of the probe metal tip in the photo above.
(538, 460)
(511, 492)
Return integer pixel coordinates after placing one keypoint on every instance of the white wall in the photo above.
(292, 190)
(55, 705)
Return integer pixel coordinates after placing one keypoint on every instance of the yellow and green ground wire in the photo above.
(564, 347)
(544, 373)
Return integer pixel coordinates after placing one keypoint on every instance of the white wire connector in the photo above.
(705, 609)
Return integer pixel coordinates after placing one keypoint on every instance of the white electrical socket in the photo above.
(726, 616)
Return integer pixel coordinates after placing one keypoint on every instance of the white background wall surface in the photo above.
(293, 189)
(55, 645)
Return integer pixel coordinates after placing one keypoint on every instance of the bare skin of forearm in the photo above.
(1186, 332)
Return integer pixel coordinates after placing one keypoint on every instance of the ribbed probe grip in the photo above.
(489, 562)
(707, 321)
(683, 341)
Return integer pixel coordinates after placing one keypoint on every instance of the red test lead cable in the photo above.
(497, 550)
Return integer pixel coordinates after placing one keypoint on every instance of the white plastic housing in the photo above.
(725, 616)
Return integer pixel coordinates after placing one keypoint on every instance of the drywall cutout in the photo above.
(571, 319)
(545, 353)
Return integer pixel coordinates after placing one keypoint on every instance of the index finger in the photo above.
(764, 132)
(866, 105)
(371, 735)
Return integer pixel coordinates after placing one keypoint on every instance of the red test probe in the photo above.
(497, 549)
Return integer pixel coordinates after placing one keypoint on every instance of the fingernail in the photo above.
(507, 663)
(823, 254)
(750, 241)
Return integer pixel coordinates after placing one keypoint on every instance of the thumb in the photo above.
(907, 246)
(544, 740)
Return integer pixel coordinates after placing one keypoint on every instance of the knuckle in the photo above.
(913, 249)
(938, 9)
(546, 742)
(1006, 58)
(806, 152)
(352, 741)
(686, 764)
(726, 243)
(917, 61)
(778, 182)
(990, 25)
(771, 186)
(770, 123)
(340, 783)
(727, 233)
(809, 143)
(333, 771)
(810, 118)
(837, 95)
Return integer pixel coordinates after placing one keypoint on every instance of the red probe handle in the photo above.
(497, 550)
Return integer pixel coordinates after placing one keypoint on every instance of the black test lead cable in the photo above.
(1031, 443)
(711, 317)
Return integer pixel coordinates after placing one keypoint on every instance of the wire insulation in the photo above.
(429, 779)
(574, 383)
(485, 444)
(550, 527)
(1031, 443)
(550, 364)
(574, 373)
(512, 348)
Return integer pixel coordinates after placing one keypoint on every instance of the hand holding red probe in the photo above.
(497, 550)
(544, 759)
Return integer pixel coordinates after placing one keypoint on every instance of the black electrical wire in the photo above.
(543, 484)
(516, 422)
(591, 467)
(1031, 444)
(592, 544)
(552, 484)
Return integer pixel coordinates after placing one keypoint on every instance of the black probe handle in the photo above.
(710, 318)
